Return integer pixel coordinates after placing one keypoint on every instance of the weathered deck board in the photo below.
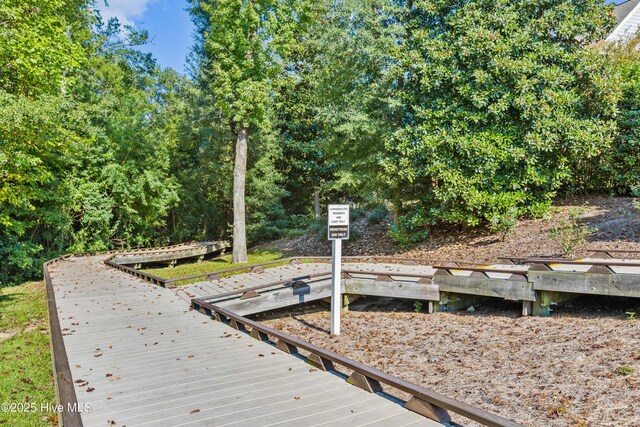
(149, 360)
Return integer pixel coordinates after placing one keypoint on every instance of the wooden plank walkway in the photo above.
(285, 272)
(538, 285)
(139, 356)
(190, 250)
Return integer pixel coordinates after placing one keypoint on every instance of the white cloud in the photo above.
(125, 10)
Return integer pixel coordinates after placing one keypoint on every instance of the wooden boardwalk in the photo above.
(170, 255)
(538, 284)
(139, 356)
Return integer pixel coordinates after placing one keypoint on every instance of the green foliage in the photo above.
(355, 102)
(84, 159)
(356, 214)
(631, 315)
(417, 306)
(622, 168)
(319, 228)
(468, 113)
(409, 230)
(25, 371)
(502, 99)
(216, 264)
(377, 215)
(635, 192)
(504, 224)
(570, 233)
(624, 370)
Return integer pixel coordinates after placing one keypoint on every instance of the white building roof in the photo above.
(628, 16)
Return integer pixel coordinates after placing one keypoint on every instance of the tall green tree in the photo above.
(119, 183)
(42, 45)
(502, 99)
(244, 44)
(356, 98)
(622, 168)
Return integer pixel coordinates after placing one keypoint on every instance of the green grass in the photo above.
(26, 376)
(217, 264)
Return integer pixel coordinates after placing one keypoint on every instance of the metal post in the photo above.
(336, 279)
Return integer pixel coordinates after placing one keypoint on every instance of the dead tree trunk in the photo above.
(239, 178)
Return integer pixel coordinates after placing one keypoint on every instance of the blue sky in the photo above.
(169, 26)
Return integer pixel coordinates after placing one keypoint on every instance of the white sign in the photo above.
(338, 227)
(338, 230)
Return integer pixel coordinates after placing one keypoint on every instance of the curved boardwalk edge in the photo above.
(63, 381)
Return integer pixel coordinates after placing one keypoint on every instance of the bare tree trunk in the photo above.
(239, 178)
(316, 204)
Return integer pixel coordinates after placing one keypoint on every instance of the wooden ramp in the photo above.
(170, 255)
(288, 285)
(138, 355)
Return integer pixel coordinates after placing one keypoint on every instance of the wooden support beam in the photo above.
(527, 308)
(260, 336)
(286, 347)
(249, 294)
(537, 266)
(365, 383)
(600, 269)
(320, 362)
(399, 289)
(618, 285)
(518, 290)
(428, 410)
(442, 272)
(348, 299)
(237, 325)
(542, 306)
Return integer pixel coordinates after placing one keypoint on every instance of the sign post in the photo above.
(338, 230)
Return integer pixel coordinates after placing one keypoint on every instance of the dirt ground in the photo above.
(614, 220)
(580, 367)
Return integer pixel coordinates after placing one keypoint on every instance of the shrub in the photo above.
(624, 370)
(409, 230)
(377, 215)
(635, 191)
(318, 227)
(570, 233)
(356, 214)
(504, 224)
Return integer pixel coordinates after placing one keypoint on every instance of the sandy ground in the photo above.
(580, 367)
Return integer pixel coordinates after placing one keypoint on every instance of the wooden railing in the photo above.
(64, 387)
(424, 401)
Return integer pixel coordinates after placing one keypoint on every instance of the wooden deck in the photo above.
(538, 285)
(170, 255)
(139, 356)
